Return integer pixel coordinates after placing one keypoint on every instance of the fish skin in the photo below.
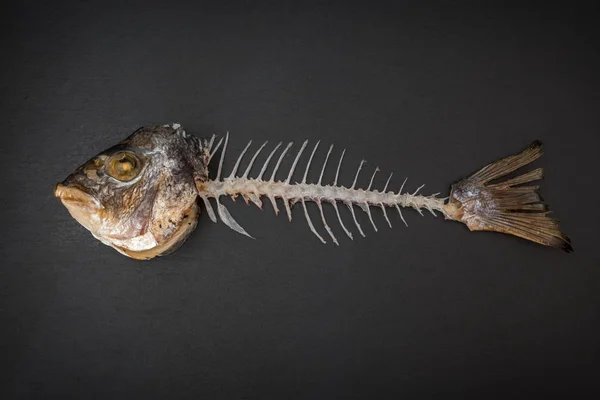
(147, 213)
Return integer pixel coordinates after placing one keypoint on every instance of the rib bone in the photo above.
(252, 189)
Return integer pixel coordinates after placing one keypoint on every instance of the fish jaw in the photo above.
(89, 212)
(137, 248)
(85, 208)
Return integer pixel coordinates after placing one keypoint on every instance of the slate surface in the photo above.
(425, 91)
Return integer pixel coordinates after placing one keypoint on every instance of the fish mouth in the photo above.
(85, 208)
(72, 196)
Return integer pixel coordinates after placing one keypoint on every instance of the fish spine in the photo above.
(253, 189)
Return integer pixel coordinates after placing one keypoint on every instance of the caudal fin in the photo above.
(484, 204)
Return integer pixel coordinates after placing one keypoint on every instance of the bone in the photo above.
(237, 163)
(310, 224)
(324, 164)
(358, 198)
(229, 221)
(357, 173)
(325, 222)
(209, 210)
(354, 218)
(337, 211)
(254, 198)
(419, 188)
(279, 161)
(249, 167)
(213, 151)
(286, 203)
(387, 183)
(309, 162)
(222, 157)
(401, 216)
(210, 143)
(385, 214)
(431, 211)
(402, 187)
(372, 177)
(266, 164)
(367, 209)
(287, 181)
(338, 168)
(274, 203)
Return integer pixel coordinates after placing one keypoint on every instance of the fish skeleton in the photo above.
(142, 196)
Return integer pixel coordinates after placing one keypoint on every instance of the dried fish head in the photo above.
(139, 196)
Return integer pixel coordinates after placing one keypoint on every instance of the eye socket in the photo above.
(124, 166)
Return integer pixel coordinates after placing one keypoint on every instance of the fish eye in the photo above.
(123, 166)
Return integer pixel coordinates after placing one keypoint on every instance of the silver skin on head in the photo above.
(139, 196)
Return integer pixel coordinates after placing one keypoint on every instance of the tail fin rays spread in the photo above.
(504, 206)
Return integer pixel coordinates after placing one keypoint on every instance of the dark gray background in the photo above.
(426, 311)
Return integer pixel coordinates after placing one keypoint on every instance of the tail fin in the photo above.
(506, 206)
